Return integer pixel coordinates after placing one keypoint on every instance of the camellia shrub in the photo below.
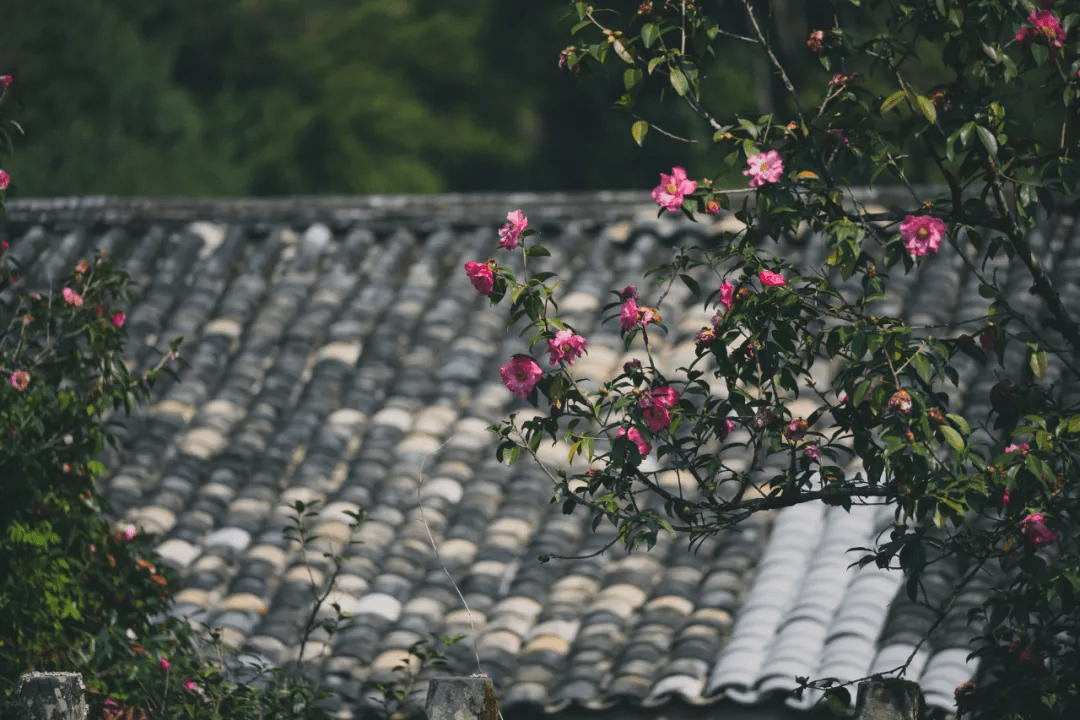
(980, 97)
(78, 591)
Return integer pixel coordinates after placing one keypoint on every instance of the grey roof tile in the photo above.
(333, 346)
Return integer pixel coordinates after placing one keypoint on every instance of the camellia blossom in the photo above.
(631, 366)
(796, 429)
(165, 664)
(657, 406)
(20, 379)
(511, 231)
(190, 685)
(726, 428)
(5, 80)
(118, 319)
(1035, 530)
(130, 532)
(566, 346)
(628, 315)
(1022, 448)
(900, 402)
(812, 453)
(5, 180)
(521, 374)
(673, 189)
(727, 294)
(766, 167)
(483, 279)
(1047, 30)
(771, 279)
(922, 234)
(643, 447)
(72, 298)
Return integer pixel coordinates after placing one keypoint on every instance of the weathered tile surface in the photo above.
(335, 351)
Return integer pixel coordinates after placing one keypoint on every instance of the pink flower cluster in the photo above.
(20, 380)
(922, 234)
(5, 180)
(673, 189)
(1047, 30)
(510, 233)
(766, 167)
(635, 437)
(521, 374)
(657, 406)
(727, 294)
(482, 277)
(1022, 448)
(566, 346)
(771, 279)
(72, 298)
(1034, 528)
(632, 314)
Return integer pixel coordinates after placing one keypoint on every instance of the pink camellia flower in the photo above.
(100, 310)
(20, 379)
(1005, 497)
(164, 664)
(900, 402)
(795, 429)
(118, 319)
(628, 292)
(628, 315)
(5, 81)
(631, 366)
(643, 447)
(727, 294)
(482, 277)
(726, 428)
(511, 231)
(705, 337)
(130, 532)
(1047, 30)
(812, 453)
(771, 279)
(922, 234)
(72, 298)
(190, 685)
(520, 375)
(1035, 530)
(1022, 448)
(566, 346)
(92, 548)
(766, 167)
(4, 245)
(673, 189)
(712, 207)
(5, 180)
(657, 406)
(81, 266)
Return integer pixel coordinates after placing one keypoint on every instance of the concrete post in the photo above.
(889, 699)
(50, 696)
(462, 698)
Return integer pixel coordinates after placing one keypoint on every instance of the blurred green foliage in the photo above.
(275, 97)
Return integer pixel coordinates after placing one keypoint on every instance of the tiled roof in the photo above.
(333, 346)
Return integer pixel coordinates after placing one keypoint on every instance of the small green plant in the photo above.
(395, 697)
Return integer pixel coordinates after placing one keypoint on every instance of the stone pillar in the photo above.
(889, 699)
(50, 696)
(462, 698)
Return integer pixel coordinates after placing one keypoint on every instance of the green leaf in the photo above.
(537, 251)
(631, 78)
(679, 81)
(649, 34)
(956, 442)
(890, 102)
(639, 130)
(1073, 425)
(654, 62)
(960, 422)
(965, 133)
(692, 284)
(923, 367)
(926, 105)
(1039, 364)
(988, 140)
